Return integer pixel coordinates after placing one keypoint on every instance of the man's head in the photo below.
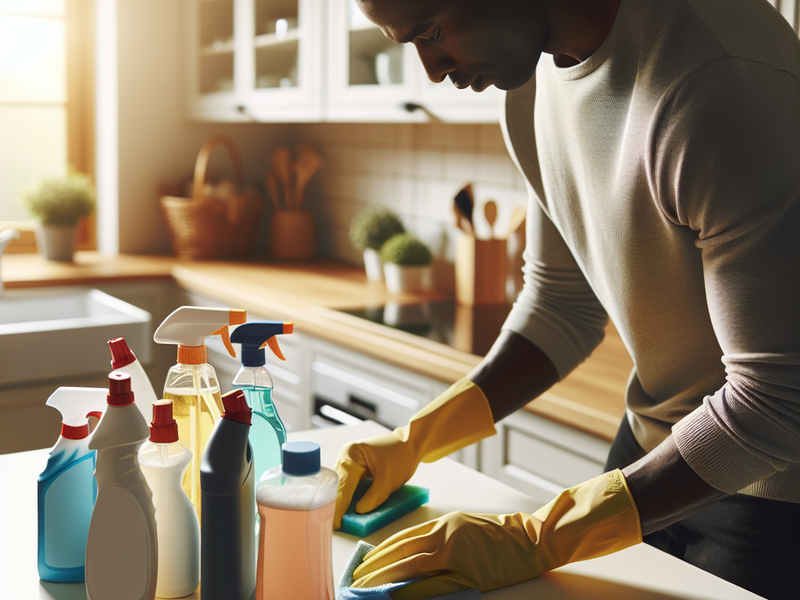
(473, 42)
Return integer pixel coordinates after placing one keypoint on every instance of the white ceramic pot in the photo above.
(400, 278)
(57, 242)
(373, 265)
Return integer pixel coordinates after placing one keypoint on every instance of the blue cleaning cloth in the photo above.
(381, 592)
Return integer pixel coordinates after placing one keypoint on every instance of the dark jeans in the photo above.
(752, 542)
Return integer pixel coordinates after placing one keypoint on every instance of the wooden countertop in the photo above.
(590, 399)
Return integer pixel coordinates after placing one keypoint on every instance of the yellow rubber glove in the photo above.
(485, 552)
(459, 417)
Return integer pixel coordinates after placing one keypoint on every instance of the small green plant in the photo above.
(371, 229)
(405, 250)
(60, 200)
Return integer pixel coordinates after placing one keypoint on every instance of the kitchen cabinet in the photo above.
(310, 61)
(254, 60)
(540, 457)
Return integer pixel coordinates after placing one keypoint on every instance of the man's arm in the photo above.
(663, 485)
(513, 373)
(665, 488)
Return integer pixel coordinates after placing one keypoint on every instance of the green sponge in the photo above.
(398, 504)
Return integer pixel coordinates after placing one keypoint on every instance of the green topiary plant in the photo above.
(371, 229)
(60, 200)
(405, 250)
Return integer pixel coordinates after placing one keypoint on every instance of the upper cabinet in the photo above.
(312, 60)
(254, 60)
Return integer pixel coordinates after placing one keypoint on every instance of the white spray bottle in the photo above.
(192, 384)
(122, 549)
(123, 360)
(66, 487)
(164, 460)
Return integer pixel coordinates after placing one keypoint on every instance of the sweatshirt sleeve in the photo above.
(726, 163)
(557, 309)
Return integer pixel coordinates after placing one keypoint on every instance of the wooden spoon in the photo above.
(490, 210)
(308, 161)
(517, 219)
(282, 166)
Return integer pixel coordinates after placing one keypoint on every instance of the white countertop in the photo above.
(640, 573)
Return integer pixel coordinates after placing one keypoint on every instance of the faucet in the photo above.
(5, 239)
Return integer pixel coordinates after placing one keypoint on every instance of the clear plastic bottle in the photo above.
(192, 383)
(268, 434)
(296, 504)
(164, 460)
(196, 406)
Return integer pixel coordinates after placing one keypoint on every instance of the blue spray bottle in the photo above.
(66, 488)
(267, 434)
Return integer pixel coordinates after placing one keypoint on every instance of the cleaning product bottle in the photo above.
(122, 549)
(228, 537)
(267, 434)
(164, 460)
(66, 487)
(296, 504)
(192, 384)
(123, 360)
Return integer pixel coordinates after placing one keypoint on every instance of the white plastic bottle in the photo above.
(164, 460)
(123, 360)
(122, 548)
(296, 503)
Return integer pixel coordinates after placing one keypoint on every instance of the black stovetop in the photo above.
(471, 329)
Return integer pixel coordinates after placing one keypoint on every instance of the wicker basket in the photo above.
(210, 226)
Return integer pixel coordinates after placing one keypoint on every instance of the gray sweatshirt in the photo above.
(664, 179)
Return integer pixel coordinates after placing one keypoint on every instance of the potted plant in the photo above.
(406, 264)
(368, 232)
(57, 202)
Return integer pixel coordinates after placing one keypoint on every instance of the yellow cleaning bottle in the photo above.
(192, 383)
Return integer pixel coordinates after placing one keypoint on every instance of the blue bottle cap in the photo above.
(301, 458)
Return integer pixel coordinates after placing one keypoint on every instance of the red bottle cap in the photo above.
(236, 408)
(121, 355)
(71, 432)
(163, 429)
(119, 390)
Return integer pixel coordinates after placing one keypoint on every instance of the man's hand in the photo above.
(486, 552)
(459, 417)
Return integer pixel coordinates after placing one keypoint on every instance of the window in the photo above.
(46, 102)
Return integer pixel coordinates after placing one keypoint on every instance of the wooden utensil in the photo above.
(517, 219)
(464, 205)
(490, 211)
(281, 163)
(272, 188)
(308, 162)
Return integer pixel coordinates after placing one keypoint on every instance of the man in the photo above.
(661, 142)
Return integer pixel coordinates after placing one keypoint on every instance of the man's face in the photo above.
(475, 43)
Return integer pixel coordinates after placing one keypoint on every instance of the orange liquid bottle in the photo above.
(296, 504)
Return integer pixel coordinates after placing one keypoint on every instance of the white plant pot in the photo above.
(400, 278)
(57, 242)
(373, 265)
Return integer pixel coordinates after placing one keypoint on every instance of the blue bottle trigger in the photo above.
(254, 336)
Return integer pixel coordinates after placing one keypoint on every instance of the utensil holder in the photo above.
(292, 235)
(480, 271)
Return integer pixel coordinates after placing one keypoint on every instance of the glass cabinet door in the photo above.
(213, 52)
(256, 60)
(370, 77)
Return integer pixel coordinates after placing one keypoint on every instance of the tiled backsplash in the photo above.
(415, 169)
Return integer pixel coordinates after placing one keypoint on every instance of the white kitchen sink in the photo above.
(63, 332)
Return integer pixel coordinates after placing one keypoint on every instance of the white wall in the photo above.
(155, 144)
